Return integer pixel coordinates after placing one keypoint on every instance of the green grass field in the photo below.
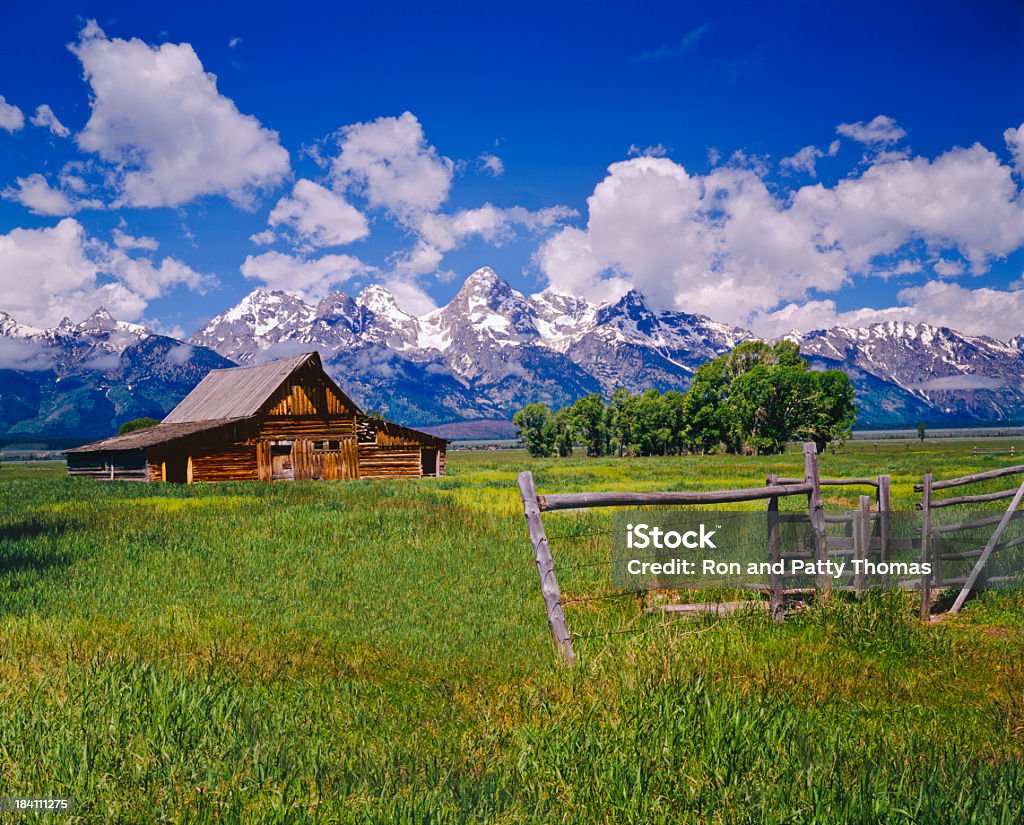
(378, 652)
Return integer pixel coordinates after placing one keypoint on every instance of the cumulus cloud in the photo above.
(807, 158)
(11, 117)
(492, 164)
(319, 217)
(263, 238)
(982, 311)
(45, 117)
(122, 240)
(35, 194)
(55, 271)
(440, 233)
(310, 277)
(158, 117)
(389, 161)
(725, 245)
(879, 130)
(1015, 143)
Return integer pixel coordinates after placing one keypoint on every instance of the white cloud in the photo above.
(55, 271)
(319, 217)
(982, 311)
(11, 117)
(410, 297)
(961, 382)
(440, 233)
(965, 199)
(1015, 143)
(158, 116)
(492, 164)
(389, 161)
(656, 151)
(724, 245)
(311, 277)
(122, 240)
(36, 194)
(881, 129)
(179, 356)
(45, 117)
(263, 238)
(948, 268)
(803, 161)
(28, 356)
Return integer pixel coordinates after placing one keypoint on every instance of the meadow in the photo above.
(378, 652)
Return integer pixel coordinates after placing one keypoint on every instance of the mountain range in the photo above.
(479, 358)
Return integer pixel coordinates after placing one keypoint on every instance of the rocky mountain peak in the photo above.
(100, 320)
(379, 300)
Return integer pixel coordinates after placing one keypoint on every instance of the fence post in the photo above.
(816, 511)
(884, 520)
(862, 542)
(926, 541)
(546, 570)
(774, 554)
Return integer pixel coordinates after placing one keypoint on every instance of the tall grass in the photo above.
(377, 651)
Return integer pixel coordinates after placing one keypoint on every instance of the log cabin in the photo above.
(285, 420)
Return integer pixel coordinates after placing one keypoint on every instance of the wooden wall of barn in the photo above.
(389, 462)
(234, 463)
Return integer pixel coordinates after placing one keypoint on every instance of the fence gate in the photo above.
(932, 535)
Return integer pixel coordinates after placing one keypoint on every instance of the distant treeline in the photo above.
(753, 399)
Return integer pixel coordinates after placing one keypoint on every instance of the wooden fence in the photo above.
(932, 535)
(534, 505)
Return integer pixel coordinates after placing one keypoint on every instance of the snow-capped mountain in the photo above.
(79, 381)
(498, 345)
(960, 376)
(484, 355)
(494, 349)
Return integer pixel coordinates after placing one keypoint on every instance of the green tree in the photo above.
(590, 424)
(620, 421)
(536, 428)
(704, 411)
(761, 396)
(565, 432)
(832, 412)
(922, 428)
(136, 424)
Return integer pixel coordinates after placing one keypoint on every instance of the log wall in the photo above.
(234, 463)
(389, 462)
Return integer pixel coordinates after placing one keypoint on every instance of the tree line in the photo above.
(754, 399)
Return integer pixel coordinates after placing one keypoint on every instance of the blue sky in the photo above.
(409, 145)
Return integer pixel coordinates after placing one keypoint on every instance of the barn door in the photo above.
(428, 461)
(281, 467)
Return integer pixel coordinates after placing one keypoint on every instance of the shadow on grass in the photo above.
(18, 552)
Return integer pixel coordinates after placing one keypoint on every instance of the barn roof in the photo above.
(157, 434)
(238, 392)
(231, 395)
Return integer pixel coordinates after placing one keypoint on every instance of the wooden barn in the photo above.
(281, 421)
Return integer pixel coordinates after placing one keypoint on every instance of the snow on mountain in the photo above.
(484, 355)
(80, 381)
(966, 377)
(262, 321)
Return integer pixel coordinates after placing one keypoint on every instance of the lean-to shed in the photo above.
(284, 420)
